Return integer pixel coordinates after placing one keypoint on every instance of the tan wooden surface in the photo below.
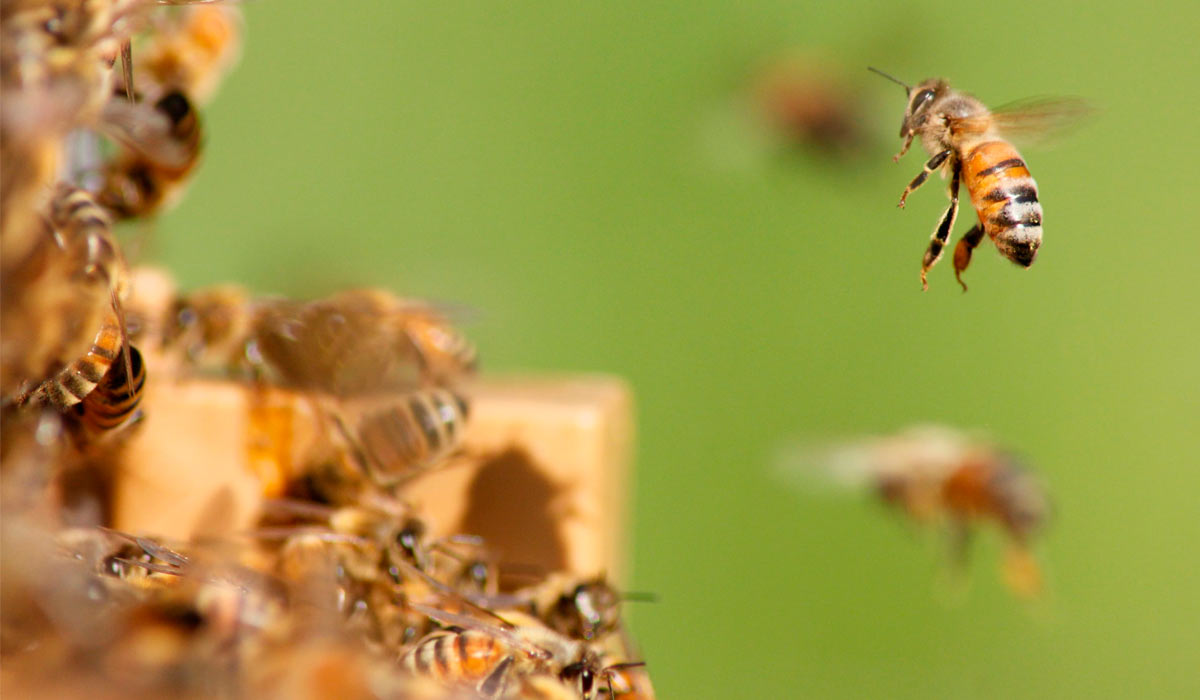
(543, 476)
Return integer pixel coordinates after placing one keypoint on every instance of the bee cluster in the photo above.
(338, 587)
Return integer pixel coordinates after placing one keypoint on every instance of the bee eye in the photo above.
(923, 97)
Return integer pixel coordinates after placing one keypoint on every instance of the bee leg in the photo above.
(904, 149)
(942, 233)
(962, 252)
(932, 164)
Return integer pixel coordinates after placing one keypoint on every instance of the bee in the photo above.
(114, 553)
(493, 659)
(164, 147)
(192, 48)
(590, 610)
(937, 475)
(187, 54)
(966, 141)
(353, 343)
(398, 438)
(375, 366)
(82, 235)
(114, 403)
(810, 105)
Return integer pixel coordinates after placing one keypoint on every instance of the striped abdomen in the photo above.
(78, 379)
(85, 229)
(410, 434)
(115, 398)
(1005, 198)
(466, 657)
(148, 177)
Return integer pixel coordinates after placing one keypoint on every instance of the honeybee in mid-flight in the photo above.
(967, 141)
(944, 476)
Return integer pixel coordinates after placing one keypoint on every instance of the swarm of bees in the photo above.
(947, 479)
(339, 590)
(969, 142)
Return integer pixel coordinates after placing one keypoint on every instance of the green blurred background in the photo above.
(579, 176)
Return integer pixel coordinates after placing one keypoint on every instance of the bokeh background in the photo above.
(587, 179)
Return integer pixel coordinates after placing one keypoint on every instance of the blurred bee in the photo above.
(353, 343)
(967, 141)
(364, 561)
(375, 365)
(163, 147)
(82, 239)
(114, 553)
(810, 105)
(494, 659)
(590, 610)
(191, 48)
(186, 56)
(939, 475)
(383, 528)
(398, 438)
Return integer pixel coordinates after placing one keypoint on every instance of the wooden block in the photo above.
(546, 478)
(543, 481)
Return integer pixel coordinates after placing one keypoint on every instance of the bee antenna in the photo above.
(906, 86)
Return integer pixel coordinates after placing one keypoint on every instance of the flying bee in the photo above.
(808, 104)
(360, 342)
(373, 365)
(353, 343)
(967, 141)
(941, 476)
(493, 659)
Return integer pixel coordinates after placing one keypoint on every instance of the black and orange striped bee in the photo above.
(81, 233)
(495, 659)
(967, 141)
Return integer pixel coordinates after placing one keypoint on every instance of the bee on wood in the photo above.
(967, 141)
(494, 659)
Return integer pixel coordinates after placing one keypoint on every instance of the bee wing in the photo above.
(467, 622)
(925, 451)
(1038, 120)
(142, 128)
(822, 468)
(336, 346)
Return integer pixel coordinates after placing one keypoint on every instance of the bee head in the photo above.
(920, 97)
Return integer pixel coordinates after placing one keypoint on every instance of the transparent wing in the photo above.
(1039, 120)
(141, 127)
(346, 345)
(920, 452)
(813, 467)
